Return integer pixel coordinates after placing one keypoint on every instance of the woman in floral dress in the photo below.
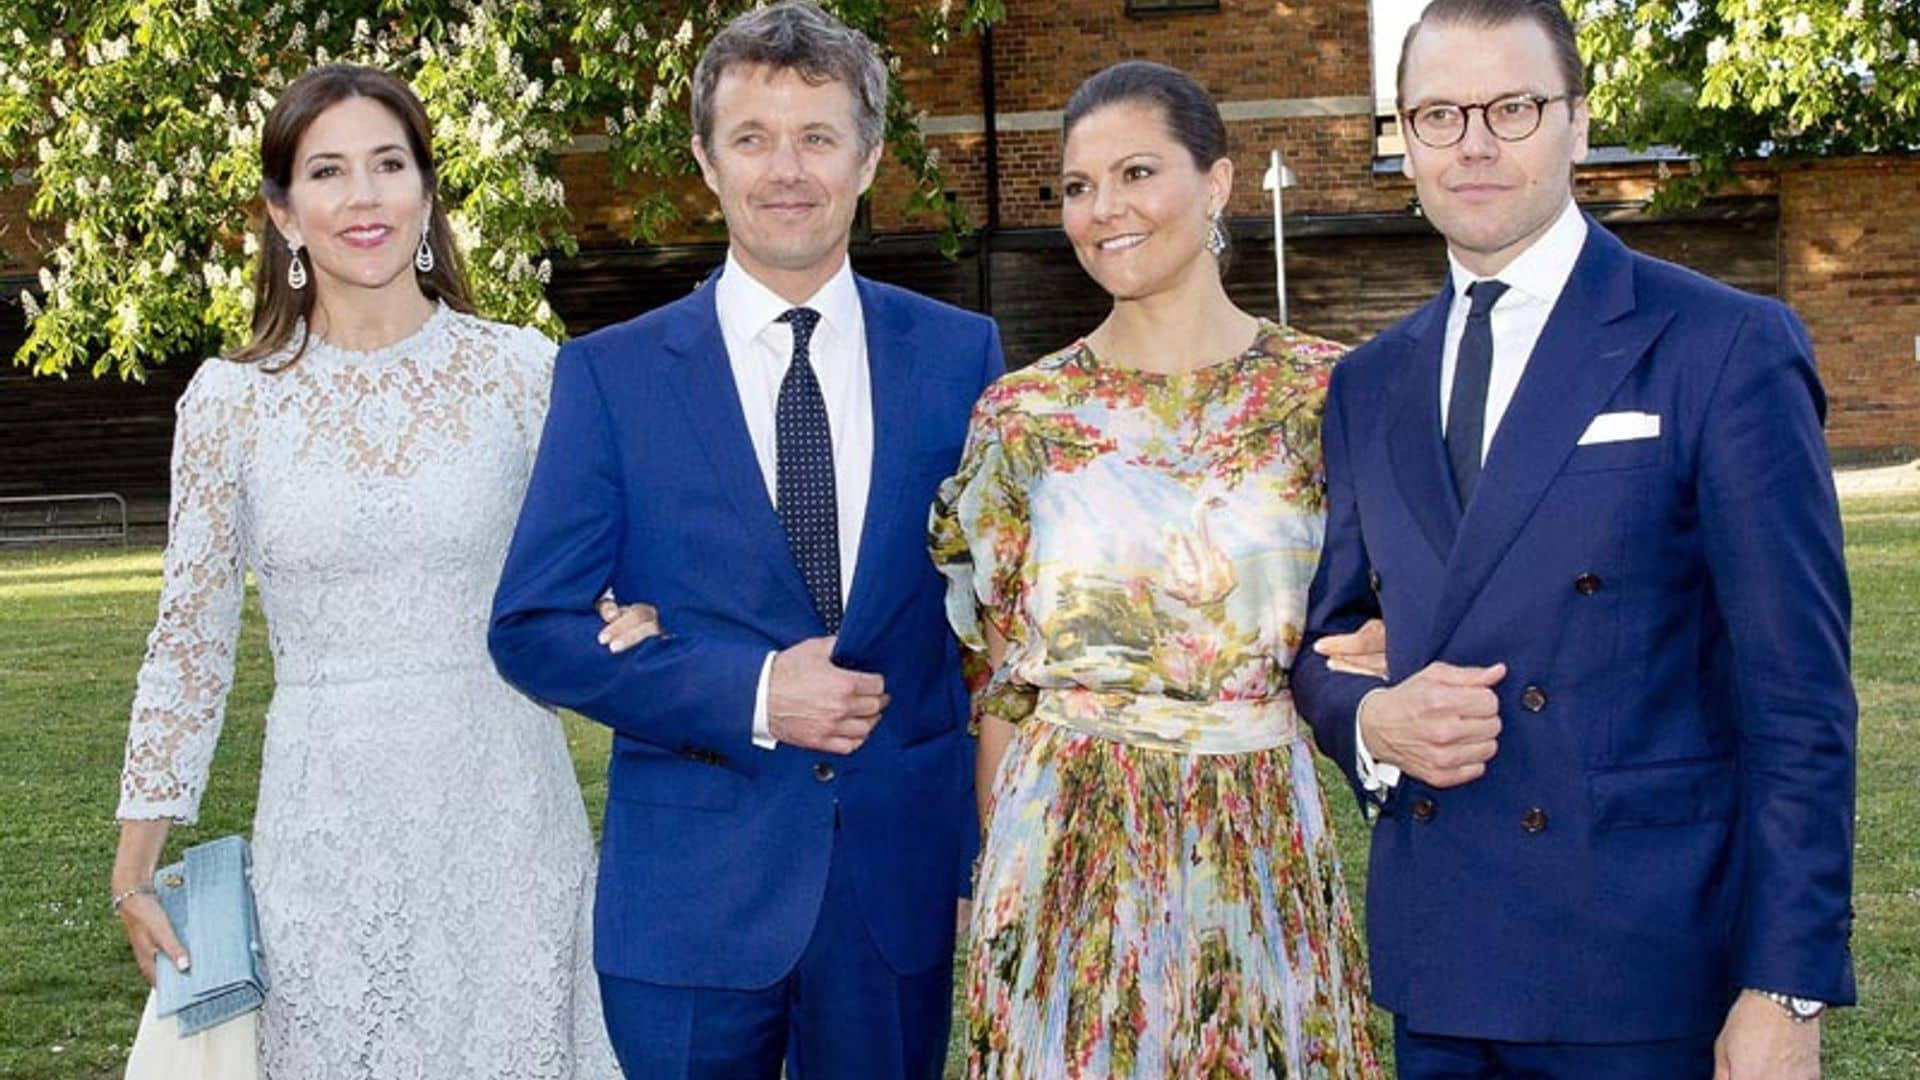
(1129, 540)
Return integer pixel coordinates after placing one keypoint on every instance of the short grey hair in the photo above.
(797, 36)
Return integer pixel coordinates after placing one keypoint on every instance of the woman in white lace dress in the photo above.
(422, 860)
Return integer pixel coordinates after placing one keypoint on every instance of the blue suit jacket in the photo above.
(714, 851)
(1669, 816)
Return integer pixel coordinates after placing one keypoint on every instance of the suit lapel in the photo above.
(891, 386)
(1593, 338)
(1414, 446)
(702, 378)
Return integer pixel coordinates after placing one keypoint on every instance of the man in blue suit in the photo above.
(1612, 771)
(789, 819)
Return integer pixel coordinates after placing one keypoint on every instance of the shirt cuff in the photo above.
(1375, 776)
(762, 729)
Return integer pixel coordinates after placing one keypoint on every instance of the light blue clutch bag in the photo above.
(208, 896)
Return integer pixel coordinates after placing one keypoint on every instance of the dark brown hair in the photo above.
(1548, 15)
(279, 309)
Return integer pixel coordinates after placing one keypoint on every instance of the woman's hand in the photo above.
(131, 884)
(626, 625)
(149, 932)
(1363, 652)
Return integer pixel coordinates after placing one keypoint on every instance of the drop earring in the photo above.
(296, 270)
(423, 258)
(1216, 236)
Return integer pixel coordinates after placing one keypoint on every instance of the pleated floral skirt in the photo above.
(1144, 913)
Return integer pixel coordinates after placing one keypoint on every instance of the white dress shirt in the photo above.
(1534, 280)
(760, 349)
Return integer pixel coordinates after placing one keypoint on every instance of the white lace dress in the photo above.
(423, 864)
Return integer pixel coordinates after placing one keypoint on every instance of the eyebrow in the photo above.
(325, 155)
(1501, 96)
(1137, 155)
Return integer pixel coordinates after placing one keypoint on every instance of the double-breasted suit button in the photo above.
(1423, 809)
(1533, 699)
(1587, 584)
(1373, 579)
(1534, 820)
(822, 771)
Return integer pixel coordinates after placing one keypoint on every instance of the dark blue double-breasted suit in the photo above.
(1669, 815)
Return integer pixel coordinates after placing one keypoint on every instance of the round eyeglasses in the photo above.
(1510, 119)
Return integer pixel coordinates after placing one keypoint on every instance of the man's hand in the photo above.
(1761, 1042)
(1441, 726)
(1363, 652)
(814, 704)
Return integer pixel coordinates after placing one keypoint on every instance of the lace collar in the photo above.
(420, 342)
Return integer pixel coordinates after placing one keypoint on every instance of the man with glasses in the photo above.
(1612, 772)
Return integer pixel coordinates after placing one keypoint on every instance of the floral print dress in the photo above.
(1159, 894)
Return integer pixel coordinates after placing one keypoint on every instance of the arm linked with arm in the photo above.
(1339, 601)
(672, 691)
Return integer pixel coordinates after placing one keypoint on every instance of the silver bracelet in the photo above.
(114, 901)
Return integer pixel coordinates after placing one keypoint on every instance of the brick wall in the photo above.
(1850, 265)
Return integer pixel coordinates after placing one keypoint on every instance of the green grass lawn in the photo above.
(73, 625)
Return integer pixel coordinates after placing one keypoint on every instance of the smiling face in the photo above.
(787, 165)
(1490, 198)
(357, 201)
(1134, 204)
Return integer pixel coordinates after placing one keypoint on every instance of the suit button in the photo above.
(1534, 820)
(1423, 809)
(1373, 580)
(1533, 699)
(822, 771)
(1587, 584)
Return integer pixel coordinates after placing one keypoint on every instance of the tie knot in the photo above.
(1484, 294)
(803, 319)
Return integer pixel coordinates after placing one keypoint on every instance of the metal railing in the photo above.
(39, 519)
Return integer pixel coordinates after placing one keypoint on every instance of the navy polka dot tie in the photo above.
(804, 489)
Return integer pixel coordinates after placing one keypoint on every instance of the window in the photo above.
(1169, 7)
(1390, 21)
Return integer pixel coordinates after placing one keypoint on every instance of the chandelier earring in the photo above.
(423, 258)
(1216, 236)
(296, 269)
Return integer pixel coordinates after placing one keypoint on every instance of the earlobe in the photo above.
(282, 223)
(706, 166)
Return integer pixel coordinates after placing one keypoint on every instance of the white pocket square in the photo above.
(1621, 427)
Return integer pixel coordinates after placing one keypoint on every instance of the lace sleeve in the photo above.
(532, 355)
(181, 696)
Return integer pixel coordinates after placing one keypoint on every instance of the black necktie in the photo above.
(804, 489)
(1467, 407)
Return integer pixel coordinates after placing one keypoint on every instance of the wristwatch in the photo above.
(1800, 1009)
